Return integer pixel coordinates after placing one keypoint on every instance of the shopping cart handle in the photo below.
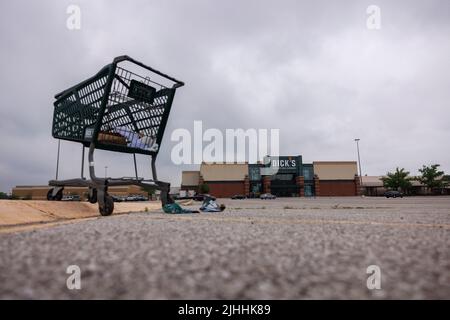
(118, 59)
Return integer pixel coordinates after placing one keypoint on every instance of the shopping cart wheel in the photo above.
(92, 195)
(108, 206)
(50, 195)
(57, 197)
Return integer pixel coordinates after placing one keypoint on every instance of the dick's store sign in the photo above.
(284, 163)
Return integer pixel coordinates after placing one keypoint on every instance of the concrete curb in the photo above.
(23, 212)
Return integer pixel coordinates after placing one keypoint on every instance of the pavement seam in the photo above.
(48, 214)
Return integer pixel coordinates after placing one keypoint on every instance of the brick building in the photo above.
(284, 176)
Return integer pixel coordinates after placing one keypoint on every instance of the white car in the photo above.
(267, 196)
(71, 198)
(67, 198)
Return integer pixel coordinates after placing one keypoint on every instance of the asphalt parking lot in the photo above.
(256, 249)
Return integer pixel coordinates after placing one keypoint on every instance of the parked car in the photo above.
(67, 198)
(238, 197)
(201, 197)
(71, 198)
(117, 198)
(393, 194)
(140, 198)
(267, 196)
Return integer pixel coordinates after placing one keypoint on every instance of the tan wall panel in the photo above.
(335, 170)
(190, 178)
(224, 172)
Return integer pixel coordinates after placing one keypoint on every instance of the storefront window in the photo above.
(308, 173)
(256, 188)
(254, 173)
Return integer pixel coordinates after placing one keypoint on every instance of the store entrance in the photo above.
(284, 185)
(255, 189)
(309, 190)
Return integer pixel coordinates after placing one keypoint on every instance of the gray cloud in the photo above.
(311, 69)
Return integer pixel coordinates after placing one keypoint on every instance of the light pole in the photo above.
(359, 164)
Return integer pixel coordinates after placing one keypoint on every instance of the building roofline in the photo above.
(223, 163)
(334, 162)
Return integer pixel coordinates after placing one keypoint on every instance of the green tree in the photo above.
(399, 179)
(431, 177)
(204, 188)
(3, 195)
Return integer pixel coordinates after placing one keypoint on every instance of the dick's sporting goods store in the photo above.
(284, 176)
(281, 175)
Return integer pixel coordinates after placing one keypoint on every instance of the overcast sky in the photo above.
(312, 69)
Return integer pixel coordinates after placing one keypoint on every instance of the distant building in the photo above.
(40, 192)
(174, 190)
(292, 179)
(373, 186)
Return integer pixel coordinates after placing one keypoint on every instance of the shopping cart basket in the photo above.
(123, 108)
